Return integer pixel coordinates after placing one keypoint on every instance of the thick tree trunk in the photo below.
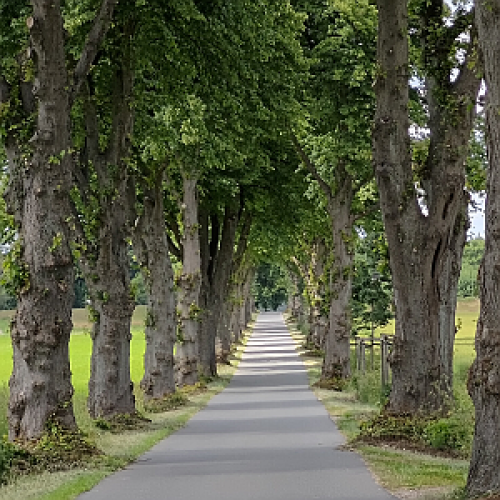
(310, 285)
(297, 306)
(249, 301)
(242, 284)
(297, 310)
(423, 247)
(108, 283)
(336, 363)
(234, 323)
(151, 250)
(40, 385)
(415, 358)
(189, 288)
(236, 303)
(105, 258)
(484, 376)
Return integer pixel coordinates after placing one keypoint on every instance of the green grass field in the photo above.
(80, 350)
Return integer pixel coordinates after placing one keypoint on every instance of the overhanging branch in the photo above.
(311, 167)
(92, 44)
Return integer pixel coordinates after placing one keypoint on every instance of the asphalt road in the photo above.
(265, 437)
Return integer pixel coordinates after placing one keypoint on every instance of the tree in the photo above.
(151, 248)
(36, 96)
(425, 246)
(270, 287)
(103, 213)
(484, 376)
(336, 148)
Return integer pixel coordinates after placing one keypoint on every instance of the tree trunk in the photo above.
(105, 244)
(189, 288)
(239, 302)
(151, 250)
(448, 294)
(309, 298)
(336, 363)
(224, 334)
(321, 320)
(108, 283)
(248, 300)
(297, 310)
(484, 376)
(40, 385)
(420, 244)
(234, 323)
(215, 283)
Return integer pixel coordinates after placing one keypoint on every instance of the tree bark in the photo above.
(105, 244)
(296, 304)
(217, 272)
(108, 283)
(336, 363)
(151, 250)
(238, 299)
(246, 307)
(38, 197)
(448, 293)
(189, 287)
(484, 376)
(223, 343)
(420, 244)
(319, 329)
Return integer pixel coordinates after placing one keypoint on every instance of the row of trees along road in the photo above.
(135, 122)
(213, 136)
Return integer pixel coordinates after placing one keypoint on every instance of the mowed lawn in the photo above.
(80, 346)
(80, 350)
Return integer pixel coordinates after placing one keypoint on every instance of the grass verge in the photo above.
(407, 474)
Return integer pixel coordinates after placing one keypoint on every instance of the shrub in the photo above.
(10, 457)
(5, 460)
(452, 434)
(448, 434)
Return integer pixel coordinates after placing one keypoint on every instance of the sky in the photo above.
(477, 217)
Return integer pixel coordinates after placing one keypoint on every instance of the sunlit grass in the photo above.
(403, 469)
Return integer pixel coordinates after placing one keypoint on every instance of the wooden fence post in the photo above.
(384, 367)
(362, 356)
(357, 351)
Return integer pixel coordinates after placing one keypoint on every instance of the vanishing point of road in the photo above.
(265, 437)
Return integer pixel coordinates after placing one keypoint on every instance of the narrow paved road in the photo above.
(265, 437)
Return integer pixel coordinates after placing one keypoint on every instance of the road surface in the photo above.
(265, 437)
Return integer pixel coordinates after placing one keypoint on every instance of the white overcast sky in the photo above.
(477, 217)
